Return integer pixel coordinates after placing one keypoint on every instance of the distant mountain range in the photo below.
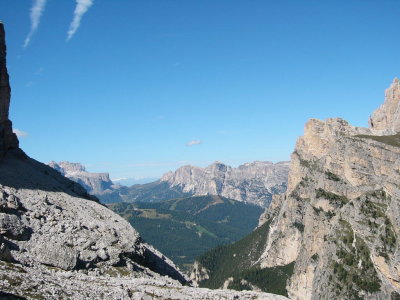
(254, 182)
(94, 183)
(185, 228)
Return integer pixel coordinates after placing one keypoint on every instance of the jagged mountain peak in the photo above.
(252, 182)
(67, 167)
(386, 119)
(342, 180)
(8, 139)
(336, 227)
(95, 183)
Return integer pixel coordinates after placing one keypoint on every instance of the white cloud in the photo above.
(193, 143)
(82, 6)
(20, 133)
(37, 10)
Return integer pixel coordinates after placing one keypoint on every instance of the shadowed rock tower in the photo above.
(8, 140)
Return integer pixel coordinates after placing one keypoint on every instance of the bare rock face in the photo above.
(49, 220)
(8, 140)
(94, 183)
(339, 220)
(340, 217)
(386, 119)
(252, 182)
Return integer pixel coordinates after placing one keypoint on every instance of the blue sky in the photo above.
(139, 80)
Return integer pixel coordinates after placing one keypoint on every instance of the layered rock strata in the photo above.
(95, 183)
(386, 119)
(254, 182)
(340, 217)
(338, 223)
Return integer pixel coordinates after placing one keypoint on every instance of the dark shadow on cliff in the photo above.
(158, 264)
(9, 296)
(19, 171)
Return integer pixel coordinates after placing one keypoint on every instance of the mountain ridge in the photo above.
(95, 183)
(58, 242)
(338, 220)
(254, 182)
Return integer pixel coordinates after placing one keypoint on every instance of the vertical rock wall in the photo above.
(386, 119)
(8, 140)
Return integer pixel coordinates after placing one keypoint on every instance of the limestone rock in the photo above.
(254, 182)
(65, 230)
(8, 140)
(95, 183)
(386, 119)
(12, 227)
(49, 283)
(339, 219)
(5, 254)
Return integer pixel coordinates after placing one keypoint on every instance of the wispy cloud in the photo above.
(193, 143)
(20, 133)
(82, 6)
(37, 10)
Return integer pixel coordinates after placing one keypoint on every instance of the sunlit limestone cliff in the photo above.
(339, 220)
(254, 182)
(58, 242)
(94, 183)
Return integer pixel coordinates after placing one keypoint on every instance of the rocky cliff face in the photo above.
(338, 222)
(58, 242)
(8, 140)
(94, 183)
(339, 219)
(386, 119)
(252, 182)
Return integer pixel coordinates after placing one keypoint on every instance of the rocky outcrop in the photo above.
(8, 139)
(386, 119)
(95, 183)
(49, 220)
(48, 283)
(338, 223)
(339, 218)
(254, 182)
(58, 242)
